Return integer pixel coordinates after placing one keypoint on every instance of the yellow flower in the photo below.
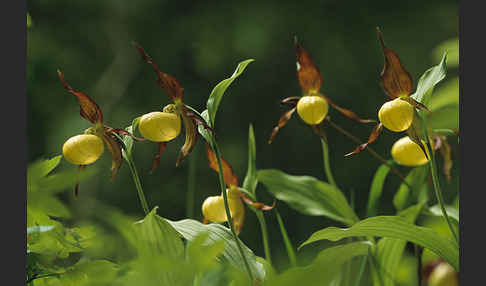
(408, 153)
(160, 126)
(396, 115)
(312, 109)
(83, 149)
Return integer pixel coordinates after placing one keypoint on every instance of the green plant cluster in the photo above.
(121, 250)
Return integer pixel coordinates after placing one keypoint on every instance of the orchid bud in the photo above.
(396, 115)
(312, 109)
(443, 275)
(160, 126)
(83, 149)
(408, 153)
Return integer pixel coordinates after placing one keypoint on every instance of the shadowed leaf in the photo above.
(250, 182)
(414, 132)
(89, 110)
(395, 79)
(373, 136)
(229, 177)
(377, 189)
(168, 82)
(307, 73)
(281, 123)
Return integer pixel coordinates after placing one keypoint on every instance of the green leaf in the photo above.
(415, 178)
(446, 95)
(377, 189)
(446, 117)
(206, 134)
(389, 251)
(250, 182)
(218, 91)
(39, 169)
(428, 80)
(394, 227)
(157, 237)
(39, 228)
(308, 195)
(435, 210)
(190, 229)
(323, 270)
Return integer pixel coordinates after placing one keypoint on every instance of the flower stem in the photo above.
(191, 185)
(435, 180)
(327, 167)
(138, 185)
(226, 206)
(288, 244)
(263, 227)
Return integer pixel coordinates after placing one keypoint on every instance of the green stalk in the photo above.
(327, 167)
(226, 206)
(435, 180)
(288, 245)
(191, 185)
(361, 270)
(263, 227)
(138, 185)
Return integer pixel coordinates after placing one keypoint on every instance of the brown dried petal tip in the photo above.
(373, 136)
(160, 149)
(168, 82)
(191, 138)
(115, 151)
(395, 79)
(258, 205)
(230, 178)
(307, 73)
(281, 123)
(89, 110)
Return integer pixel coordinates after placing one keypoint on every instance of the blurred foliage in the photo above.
(200, 43)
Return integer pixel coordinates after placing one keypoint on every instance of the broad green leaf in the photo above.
(202, 253)
(323, 270)
(39, 169)
(157, 237)
(250, 182)
(435, 210)
(405, 197)
(206, 134)
(394, 227)
(428, 80)
(190, 229)
(389, 251)
(218, 91)
(450, 46)
(39, 228)
(377, 189)
(308, 195)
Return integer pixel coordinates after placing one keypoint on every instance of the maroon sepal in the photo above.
(373, 136)
(160, 149)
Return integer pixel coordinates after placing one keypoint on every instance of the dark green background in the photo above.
(201, 43)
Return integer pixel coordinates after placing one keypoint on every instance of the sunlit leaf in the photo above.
(446, 95)
(218, 91)
(429, 80)
(394, 227)
(190, 229)
(405, 197)
(308, 195)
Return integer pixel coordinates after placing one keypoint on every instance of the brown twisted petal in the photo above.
(307, 73)
(281, 123)
(292, 101)
(257, 205)
(168, 82)
(445, 151)
(348, 113)
(230, 178)
(373, 136)
(109, 129)
(196, 118)
(191, 138)
(319, 131)
(160, 149)
(115, 151)
(89, 110)
(395, 79)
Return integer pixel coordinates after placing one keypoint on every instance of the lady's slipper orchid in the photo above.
(213, 208)
(313, 106)
(408, 153)
(85, 149)
(397, 114)
(162, 127)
